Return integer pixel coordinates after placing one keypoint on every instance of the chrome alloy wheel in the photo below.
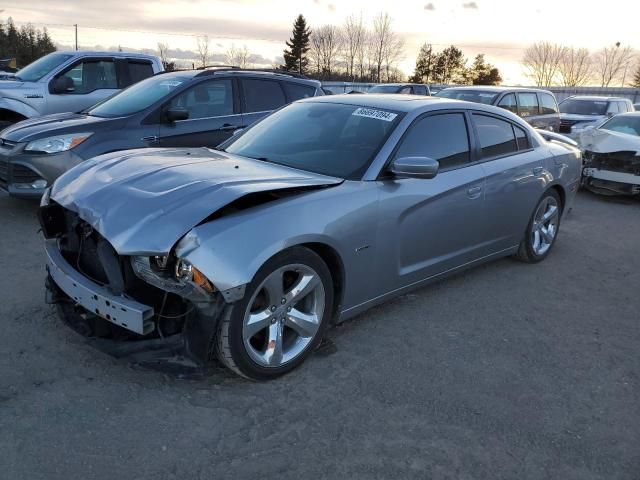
(284, 315)
(545, 225)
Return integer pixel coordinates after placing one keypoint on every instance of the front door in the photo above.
(90, 80)
(429, 226)
(213, 115)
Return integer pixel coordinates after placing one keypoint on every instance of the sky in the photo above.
(501, 29)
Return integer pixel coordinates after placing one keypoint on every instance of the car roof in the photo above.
(595, 97)
(275, 74)
(104, 53)
(496, 88)
(396, 102)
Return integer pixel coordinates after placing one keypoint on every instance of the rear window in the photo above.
(296, 91)
(262, 95)
(476, 96)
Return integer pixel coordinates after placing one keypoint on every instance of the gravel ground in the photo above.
(506, 371)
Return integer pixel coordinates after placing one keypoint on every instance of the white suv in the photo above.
(70, 82)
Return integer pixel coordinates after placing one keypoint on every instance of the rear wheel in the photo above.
(281, 319)
(542, 230)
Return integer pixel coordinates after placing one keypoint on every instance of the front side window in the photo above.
(328, 138)
(528, 104)
(508, 102)
(38, 69)
(262, 95)
(139, 71)
(547, 104)
(442, 137)
(496, 136)
(208, 99)
(90, 75)
(622, 107)
(613, 108)
(139, 96)
(405, 91)
(384, 89)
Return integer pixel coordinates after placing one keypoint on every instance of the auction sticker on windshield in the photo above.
(372, 113)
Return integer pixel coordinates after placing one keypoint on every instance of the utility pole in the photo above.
(76, 29)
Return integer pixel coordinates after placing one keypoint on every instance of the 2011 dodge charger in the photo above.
(323, 209)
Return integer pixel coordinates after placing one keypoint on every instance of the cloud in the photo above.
(470, 5)
(430, 7)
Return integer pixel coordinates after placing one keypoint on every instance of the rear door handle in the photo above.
(151, 138)
(228, 126)
(538, 171)
(474, 192)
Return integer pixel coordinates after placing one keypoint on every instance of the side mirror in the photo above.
(415, 167)
(175, 114)
(609, 114)
(62, 84)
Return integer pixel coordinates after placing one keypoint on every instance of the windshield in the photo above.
(327, 138)
(384, 89)
(38, 69)
(584, 107)
(476, 96)
(138, 96)
(624, 124)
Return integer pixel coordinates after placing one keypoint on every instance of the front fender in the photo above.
(18, 107)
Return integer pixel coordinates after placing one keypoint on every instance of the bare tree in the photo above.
(237, 56)
(541, 62)
(611, 62)
(394, 52)
(325, 44)
(382, 36)
(202, 43)
(163, 52)
(575, 67)
(353, 38)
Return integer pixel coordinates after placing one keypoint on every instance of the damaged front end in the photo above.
(611, 162)
(155, 310)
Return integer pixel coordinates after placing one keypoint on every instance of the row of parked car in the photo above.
(195, 108)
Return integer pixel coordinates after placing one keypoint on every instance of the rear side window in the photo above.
(547, 104)
(420, 90)
(296, 91)
(613, 107)
(622, 106)
(522, 138)
(528, 104)
(496, 136)
(441, 137)
(508, 102)
(262, 95)
(139, 71)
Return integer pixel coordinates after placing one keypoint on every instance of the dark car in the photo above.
(178, 109)
(403, 88)
(538, 107)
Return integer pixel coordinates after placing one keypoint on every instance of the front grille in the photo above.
(22, 174)
(625, 162)
(565, 125)
(4, 170)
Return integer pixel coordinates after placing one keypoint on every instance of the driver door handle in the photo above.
(228, 126)
(474, 192)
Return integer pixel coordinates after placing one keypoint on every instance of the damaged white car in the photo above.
(612, 156)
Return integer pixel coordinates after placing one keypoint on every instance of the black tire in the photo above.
(526, 251)
(229, 346)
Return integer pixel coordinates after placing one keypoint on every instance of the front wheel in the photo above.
(542, 230)
(280, 320)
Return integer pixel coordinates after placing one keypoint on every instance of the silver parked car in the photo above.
(316, 213)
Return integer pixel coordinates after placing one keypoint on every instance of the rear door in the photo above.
(515, 176)
(428, 226)
(93, 79)
(529, 109)
(213, 115)
(260, 96)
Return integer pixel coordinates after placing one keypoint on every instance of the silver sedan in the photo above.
(327, 207)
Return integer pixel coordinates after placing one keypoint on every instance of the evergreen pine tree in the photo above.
(295, 56)
(423, 72)
(636, 78)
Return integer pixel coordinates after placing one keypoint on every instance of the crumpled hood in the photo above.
(606, 141)
(56, 124)
(144, 201)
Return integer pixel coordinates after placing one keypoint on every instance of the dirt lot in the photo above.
(507, 371)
